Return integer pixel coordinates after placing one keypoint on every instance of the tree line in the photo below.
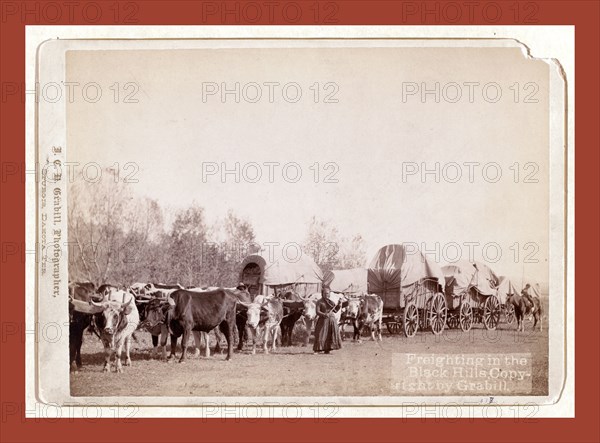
(119, 238)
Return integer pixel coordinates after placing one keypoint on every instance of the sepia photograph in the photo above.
(332, 220)
(358, 221)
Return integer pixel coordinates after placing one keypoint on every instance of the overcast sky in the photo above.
(371, 135)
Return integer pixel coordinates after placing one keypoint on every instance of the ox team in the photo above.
(114, 314)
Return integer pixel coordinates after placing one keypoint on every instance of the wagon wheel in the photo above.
(509, 313)
(452, 321)
(393, 327)
(465, 316)
(437, 314)
(410, 320)
(491, 312)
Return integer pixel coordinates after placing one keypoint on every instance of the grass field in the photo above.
(358, 369)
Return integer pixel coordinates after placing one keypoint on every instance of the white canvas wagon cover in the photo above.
(534, 287)
(347, 281)
(276, 271)
(396, 266)
(464, 274)
(506, 287)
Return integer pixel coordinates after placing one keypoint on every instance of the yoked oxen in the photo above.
(200, 311)
(264, 314)
(370, 316)
(241, 317)
(350, 313)
(294, 308)
(116, 317)
(159, 290)
(157, 312)
(146, 292)
(80, 316)
(201, 338)
(155, 322)
(138, 289)
(243, 297)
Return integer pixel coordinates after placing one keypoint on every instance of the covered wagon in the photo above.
(350, 282)
(472, 295)
(506, 288)
(411, 287)
(535, 289)
(268, 273)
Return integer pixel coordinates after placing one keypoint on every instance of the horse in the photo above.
(524, 305)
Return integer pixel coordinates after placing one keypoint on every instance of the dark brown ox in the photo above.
(155, 322)
(243, 297)
(144, 293)
(80, 294)
(201, 311)
(295, 308)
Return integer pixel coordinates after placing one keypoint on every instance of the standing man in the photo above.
(327, 331)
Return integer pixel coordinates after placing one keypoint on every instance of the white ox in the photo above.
(350, 315)
(364, 311)
(117, 318)
(264, 313)
(309, 316)
(371, 315)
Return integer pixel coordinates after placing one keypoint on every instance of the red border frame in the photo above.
(14, 427)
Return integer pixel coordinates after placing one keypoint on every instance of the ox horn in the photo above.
(86, 308)
(127, 307)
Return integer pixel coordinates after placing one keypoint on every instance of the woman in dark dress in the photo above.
(327, 331)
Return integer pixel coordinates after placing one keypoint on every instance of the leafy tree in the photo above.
(330, 250)
(108, 229)
(232, 239)
(185, 246)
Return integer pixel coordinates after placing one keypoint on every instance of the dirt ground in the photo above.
(358, 369)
